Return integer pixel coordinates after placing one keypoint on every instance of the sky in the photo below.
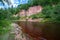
(15, 3)
(1, 5)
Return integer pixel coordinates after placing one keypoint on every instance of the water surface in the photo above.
(49, 31)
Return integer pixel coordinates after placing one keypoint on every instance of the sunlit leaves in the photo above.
(44, 2)
(6, 16)
(52, 12)
(4, 26)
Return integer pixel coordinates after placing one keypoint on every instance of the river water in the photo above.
(41, 31)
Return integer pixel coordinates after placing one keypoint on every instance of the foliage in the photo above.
(4, 26)
(6, 17)
(36, 16)
(43, 2)
(7, 14)
(23, 6)
(52, 12)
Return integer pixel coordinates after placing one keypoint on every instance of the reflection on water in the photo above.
(48, 31)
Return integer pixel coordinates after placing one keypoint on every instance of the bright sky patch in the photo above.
(15, 3)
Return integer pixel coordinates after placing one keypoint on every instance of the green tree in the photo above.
(43, 2)
(6, 18)
(52, 12)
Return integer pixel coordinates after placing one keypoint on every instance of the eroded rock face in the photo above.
(31, 11)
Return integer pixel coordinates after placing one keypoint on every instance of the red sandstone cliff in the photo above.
(31, 11)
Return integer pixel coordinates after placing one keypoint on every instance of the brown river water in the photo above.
(41, 31)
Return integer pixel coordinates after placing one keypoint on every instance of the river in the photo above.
(37, 30)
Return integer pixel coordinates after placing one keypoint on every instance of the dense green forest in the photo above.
(6, 18)
(50, 12)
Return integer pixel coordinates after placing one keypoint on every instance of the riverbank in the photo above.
(31, 20)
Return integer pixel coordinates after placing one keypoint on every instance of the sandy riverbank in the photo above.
(32, 20)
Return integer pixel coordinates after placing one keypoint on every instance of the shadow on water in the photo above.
(49, 31)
